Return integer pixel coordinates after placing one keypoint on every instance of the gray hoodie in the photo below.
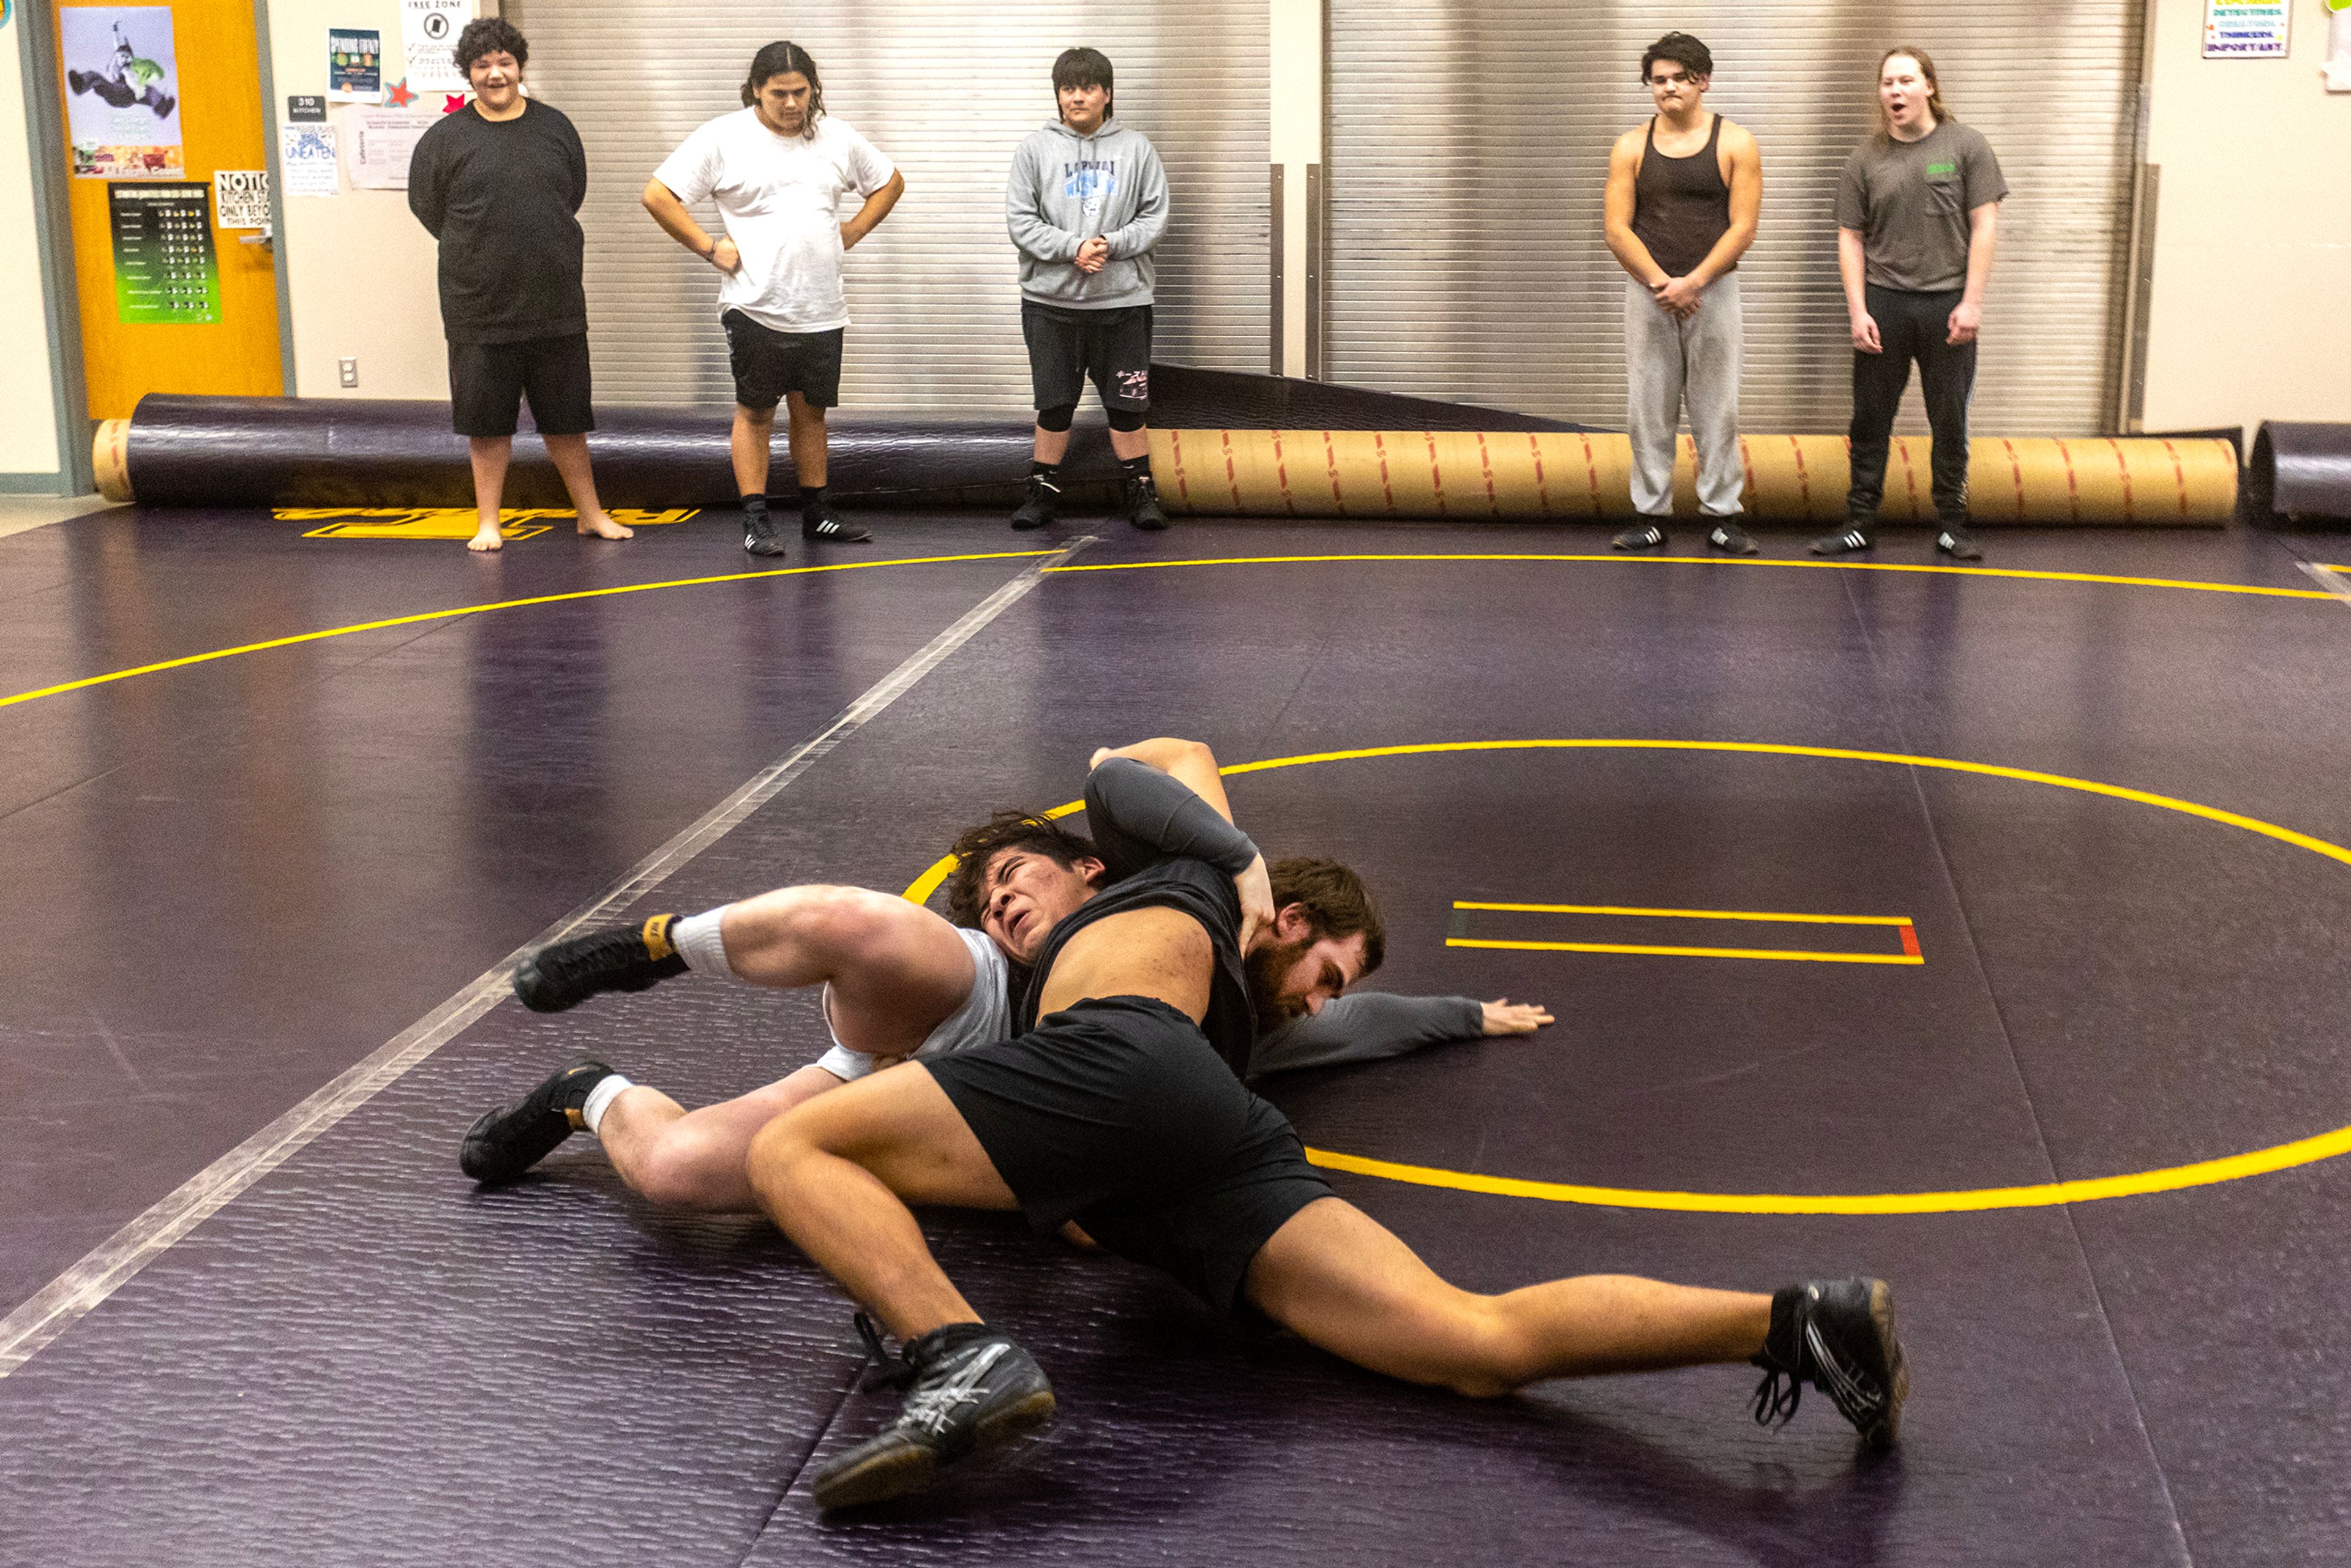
(1065, 189)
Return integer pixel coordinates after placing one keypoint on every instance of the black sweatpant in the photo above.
(1911, 326)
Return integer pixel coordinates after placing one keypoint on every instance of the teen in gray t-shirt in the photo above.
(1910, 200)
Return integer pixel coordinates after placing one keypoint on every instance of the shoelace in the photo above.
(889, 1371)
(1776, 1397)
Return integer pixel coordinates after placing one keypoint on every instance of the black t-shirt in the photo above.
(500, 196)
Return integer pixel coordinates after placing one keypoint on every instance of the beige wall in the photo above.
(2250, 302)
(359, 267)
(28, 416)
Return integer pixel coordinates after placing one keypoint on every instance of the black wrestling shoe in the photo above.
(508, 1141)
(1731, 539)
(760, 535)
(820, 524)
(967, 1387)
(1856, 535)
(1142, 507)
(1036, 510)
(1838, 1336)
(565, 974)
(1958, 543)
(1648, 536)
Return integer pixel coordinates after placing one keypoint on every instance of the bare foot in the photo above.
(486, 537)
(602, 526)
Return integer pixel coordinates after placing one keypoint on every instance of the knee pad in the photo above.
(1058, 417)
(1127, 418)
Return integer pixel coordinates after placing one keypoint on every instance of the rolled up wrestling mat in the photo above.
(2300, 471)
(1477, 475)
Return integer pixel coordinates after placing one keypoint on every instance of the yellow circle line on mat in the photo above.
(1627, 559)
(423, 616)
(2202, 1173)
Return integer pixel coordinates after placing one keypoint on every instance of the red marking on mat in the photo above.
(1543, 494)
(1486, 461)
(1911, 940)
(1176, 449)
(2180, 476)
(1591, 469)
(2073, 490)
(1232, 482)
(1387, 491)
(1331, 457)
(1804, 478)
(1436, 474)
(2124, 468)
(1281, 472)
(2015, 472)
(1909, 476)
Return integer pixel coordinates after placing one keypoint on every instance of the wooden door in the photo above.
(109, 58)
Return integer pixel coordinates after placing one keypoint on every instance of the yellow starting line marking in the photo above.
(1787, 954)
(1689, 914)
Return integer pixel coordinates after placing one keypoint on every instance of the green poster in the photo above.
(164, 269)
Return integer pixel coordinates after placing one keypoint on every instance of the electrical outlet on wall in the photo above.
(350, 366)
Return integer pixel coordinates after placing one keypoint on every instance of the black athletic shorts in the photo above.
(1068, 346)
(768, 363)
(1118, 1114)
(487, 382)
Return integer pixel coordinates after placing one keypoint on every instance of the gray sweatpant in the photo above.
(1667, 360)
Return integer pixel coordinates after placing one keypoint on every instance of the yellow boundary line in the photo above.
(1789, 955)
(430, 615)
(1689, 914)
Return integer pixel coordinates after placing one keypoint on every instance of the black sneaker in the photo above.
(565, 974)
(1142, 507)
(760, 535)
(1036, 511)
(1648, 536)
(967, 1387)
(1958, 543)
(1838, 1336)
(820, 524)
(1856, 535)
(508, 1141)
(1731, 539)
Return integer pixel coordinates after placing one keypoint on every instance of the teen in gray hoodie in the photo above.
(1086, 203)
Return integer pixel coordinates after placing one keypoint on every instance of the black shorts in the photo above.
(768, 363)
(487, 382)
(1068, 346)
(1118, 1114)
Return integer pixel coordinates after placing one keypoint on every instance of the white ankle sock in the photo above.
(600, 1098)
(697, 941)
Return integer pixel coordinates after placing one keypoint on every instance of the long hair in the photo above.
(782, 59)
(1925, 69)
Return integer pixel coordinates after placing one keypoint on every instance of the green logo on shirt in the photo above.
(1942, 168)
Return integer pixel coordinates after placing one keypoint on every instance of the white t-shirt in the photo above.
(780, 199)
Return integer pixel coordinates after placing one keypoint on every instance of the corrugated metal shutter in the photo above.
(947, 93)
(1468, 146)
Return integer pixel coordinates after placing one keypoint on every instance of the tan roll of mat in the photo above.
(110, 455)
(2124, 481)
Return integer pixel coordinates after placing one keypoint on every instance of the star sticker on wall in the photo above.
(453, 102)
(398, 95)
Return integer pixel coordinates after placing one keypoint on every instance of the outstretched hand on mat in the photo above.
(1504, 1016)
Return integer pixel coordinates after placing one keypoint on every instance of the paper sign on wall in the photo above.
(241, 198)
(306, 158)
(354, 65)
(2246, 29)
(382, 141)
(428, 36)
(123, 103)
(165, 272)
(2338, 47)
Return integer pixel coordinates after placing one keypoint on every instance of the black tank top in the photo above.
(1680, 205)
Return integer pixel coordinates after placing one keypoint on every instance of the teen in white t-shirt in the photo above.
(778, 170)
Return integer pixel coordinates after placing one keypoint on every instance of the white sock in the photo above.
(697, 941)
(607, 1089)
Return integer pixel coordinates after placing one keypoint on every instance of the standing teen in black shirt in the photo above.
(498, 183)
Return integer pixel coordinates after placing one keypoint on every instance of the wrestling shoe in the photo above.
(1856, 535)
(1036, 511)
(1731, 539)
(967, 1387)
(820, 524)
(1648, 536)
(508, 1141)
(1838, 1336)
(565, 974)
(1958, 543)
(760, 535)
(1142, 507)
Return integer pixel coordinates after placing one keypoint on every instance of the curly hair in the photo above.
(1337, 902)
(1030, 831)
(1683, 51)
(490, 36)
(782, 59)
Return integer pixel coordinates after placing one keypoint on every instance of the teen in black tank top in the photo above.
(1681, 206)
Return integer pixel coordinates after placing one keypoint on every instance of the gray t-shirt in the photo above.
(1910, 200)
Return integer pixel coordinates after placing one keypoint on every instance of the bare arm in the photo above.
(670, 214)
(1983, 235)
(869, 218)
(1624, 168)
(1188, 762)
(1853, 269)
(1746, 206)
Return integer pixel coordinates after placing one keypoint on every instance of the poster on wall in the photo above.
(428, 38)
(2246, 29)
(165, 271)
(123, 92)
(382, 141)
(241, 198)
(2338, 45)
(306, 158)
(354, 65)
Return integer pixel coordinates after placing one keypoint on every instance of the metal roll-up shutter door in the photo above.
(947, 93)
(1468, 147)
